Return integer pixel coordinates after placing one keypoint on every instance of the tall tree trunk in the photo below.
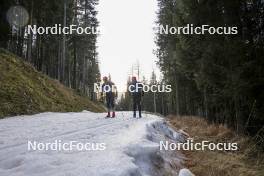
(177, 103)
(64, 43)
(29, 42)
(74, 65)
(205, 102)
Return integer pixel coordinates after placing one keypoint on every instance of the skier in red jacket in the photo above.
(109, 89)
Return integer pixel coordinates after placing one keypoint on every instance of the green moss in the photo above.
(23, 90)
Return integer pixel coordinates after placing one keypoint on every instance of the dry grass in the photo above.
(247, 161)
(24, 90)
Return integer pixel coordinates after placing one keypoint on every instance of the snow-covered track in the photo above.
(131, 145)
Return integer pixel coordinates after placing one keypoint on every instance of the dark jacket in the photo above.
(137, 93)
(111, 92)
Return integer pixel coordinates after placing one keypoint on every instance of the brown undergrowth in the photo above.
(247, 161)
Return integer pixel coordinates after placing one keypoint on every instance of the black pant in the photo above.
(137, 105)
(110, 103)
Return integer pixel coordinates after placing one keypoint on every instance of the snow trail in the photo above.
(131, 145)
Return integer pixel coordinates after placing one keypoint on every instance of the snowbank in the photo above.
(132, 145)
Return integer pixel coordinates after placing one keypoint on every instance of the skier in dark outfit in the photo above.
(110, 96)
(136, 96)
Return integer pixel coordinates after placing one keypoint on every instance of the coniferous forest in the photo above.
(219, 77)
(71, 59)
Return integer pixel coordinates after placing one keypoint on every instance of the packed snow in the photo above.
(130, 146)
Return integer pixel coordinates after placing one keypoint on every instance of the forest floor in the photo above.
(24, 90)
(247, 161)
